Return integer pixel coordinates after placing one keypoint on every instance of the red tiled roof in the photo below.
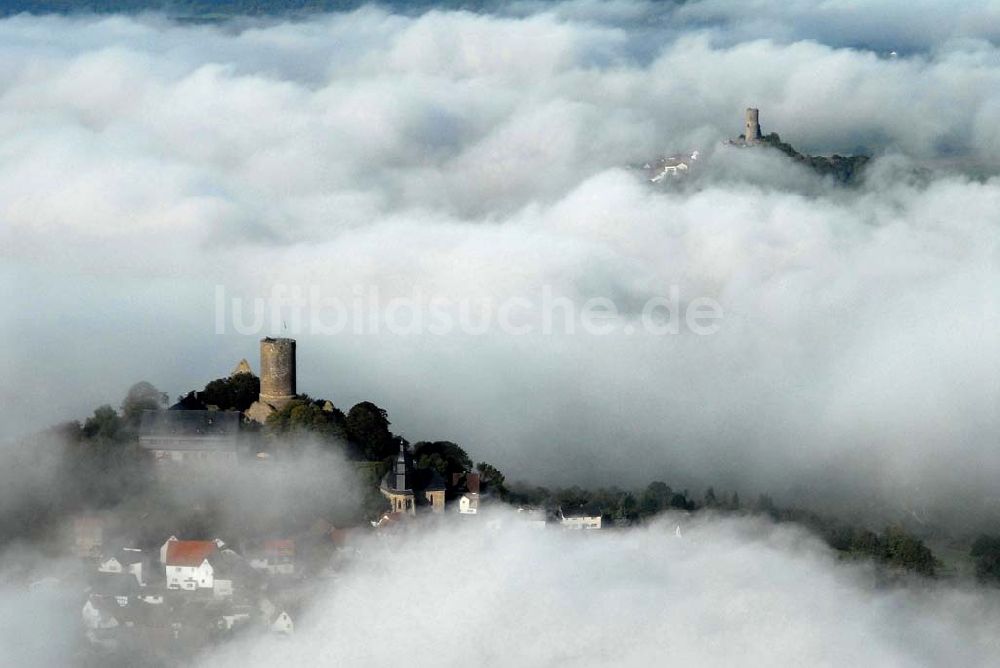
(189, 552)
(280, 547)
(472, 482)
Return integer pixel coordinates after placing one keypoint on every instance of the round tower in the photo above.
(751, 131)
(277, 371)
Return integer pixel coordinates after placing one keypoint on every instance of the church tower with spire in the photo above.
(405, 486)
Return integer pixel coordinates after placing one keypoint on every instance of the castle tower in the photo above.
(751, 130)
(277, 371)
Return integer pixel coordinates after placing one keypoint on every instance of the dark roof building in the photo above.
(186, 437)
(406, 486)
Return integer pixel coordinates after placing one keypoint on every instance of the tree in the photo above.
(765, 504)
(141, 397)
(237, 392)
(444, 456)
(628, 508)
(303, 416)
(492, 479)
(985, 553)
(106, 464)
(681, 502)
(104, 424)
(655, 498)
(903, 550)
(710, 500)
(368, 428)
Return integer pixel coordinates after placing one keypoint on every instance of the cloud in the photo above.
(727, 591)
(39, 611)
(483, 156)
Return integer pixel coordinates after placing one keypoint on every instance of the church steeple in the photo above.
(401, 468)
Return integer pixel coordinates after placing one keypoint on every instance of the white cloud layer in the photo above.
(728, 592)
(143, 163)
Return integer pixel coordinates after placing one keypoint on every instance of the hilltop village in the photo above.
(164, 596)
(229, 511)
(216, 516)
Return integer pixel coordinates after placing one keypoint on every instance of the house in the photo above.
(534, 517)
(674, 165)
(188, 564)
(228, 568)
(100, 622)
(282, 624)
(87, 535)
(468, 502)
(227, 622)
(163, 548)
(579, 519)
(120, 588)
(195, 440)
(128, 560)
(276, 557)
(99, 613)
(406, 487)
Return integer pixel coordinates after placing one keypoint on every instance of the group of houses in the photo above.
(187, 592)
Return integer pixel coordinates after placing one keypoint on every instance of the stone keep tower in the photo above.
(751, 130)
(277, 371)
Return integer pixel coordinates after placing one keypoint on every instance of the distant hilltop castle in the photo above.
(751, 126)
(751, 130)
(843, 169)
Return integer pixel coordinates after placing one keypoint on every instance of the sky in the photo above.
(151, 172)
(443, 209)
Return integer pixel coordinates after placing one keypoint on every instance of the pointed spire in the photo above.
(401, 468)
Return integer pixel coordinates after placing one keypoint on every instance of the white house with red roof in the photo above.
(468, 503)
(188, 564)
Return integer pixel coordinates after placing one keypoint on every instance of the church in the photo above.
(407, 487)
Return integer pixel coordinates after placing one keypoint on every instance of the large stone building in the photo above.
(193, 438)
(407, 487)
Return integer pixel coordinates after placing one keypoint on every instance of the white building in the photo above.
(127, 560)
(100, 622)
(282, 624)
(229, 621)
(534, 517)
(674, 165)
(163, 548)
(188, 564)
(276, 557)
(191, 440)
(578, 520)
(468, 503)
